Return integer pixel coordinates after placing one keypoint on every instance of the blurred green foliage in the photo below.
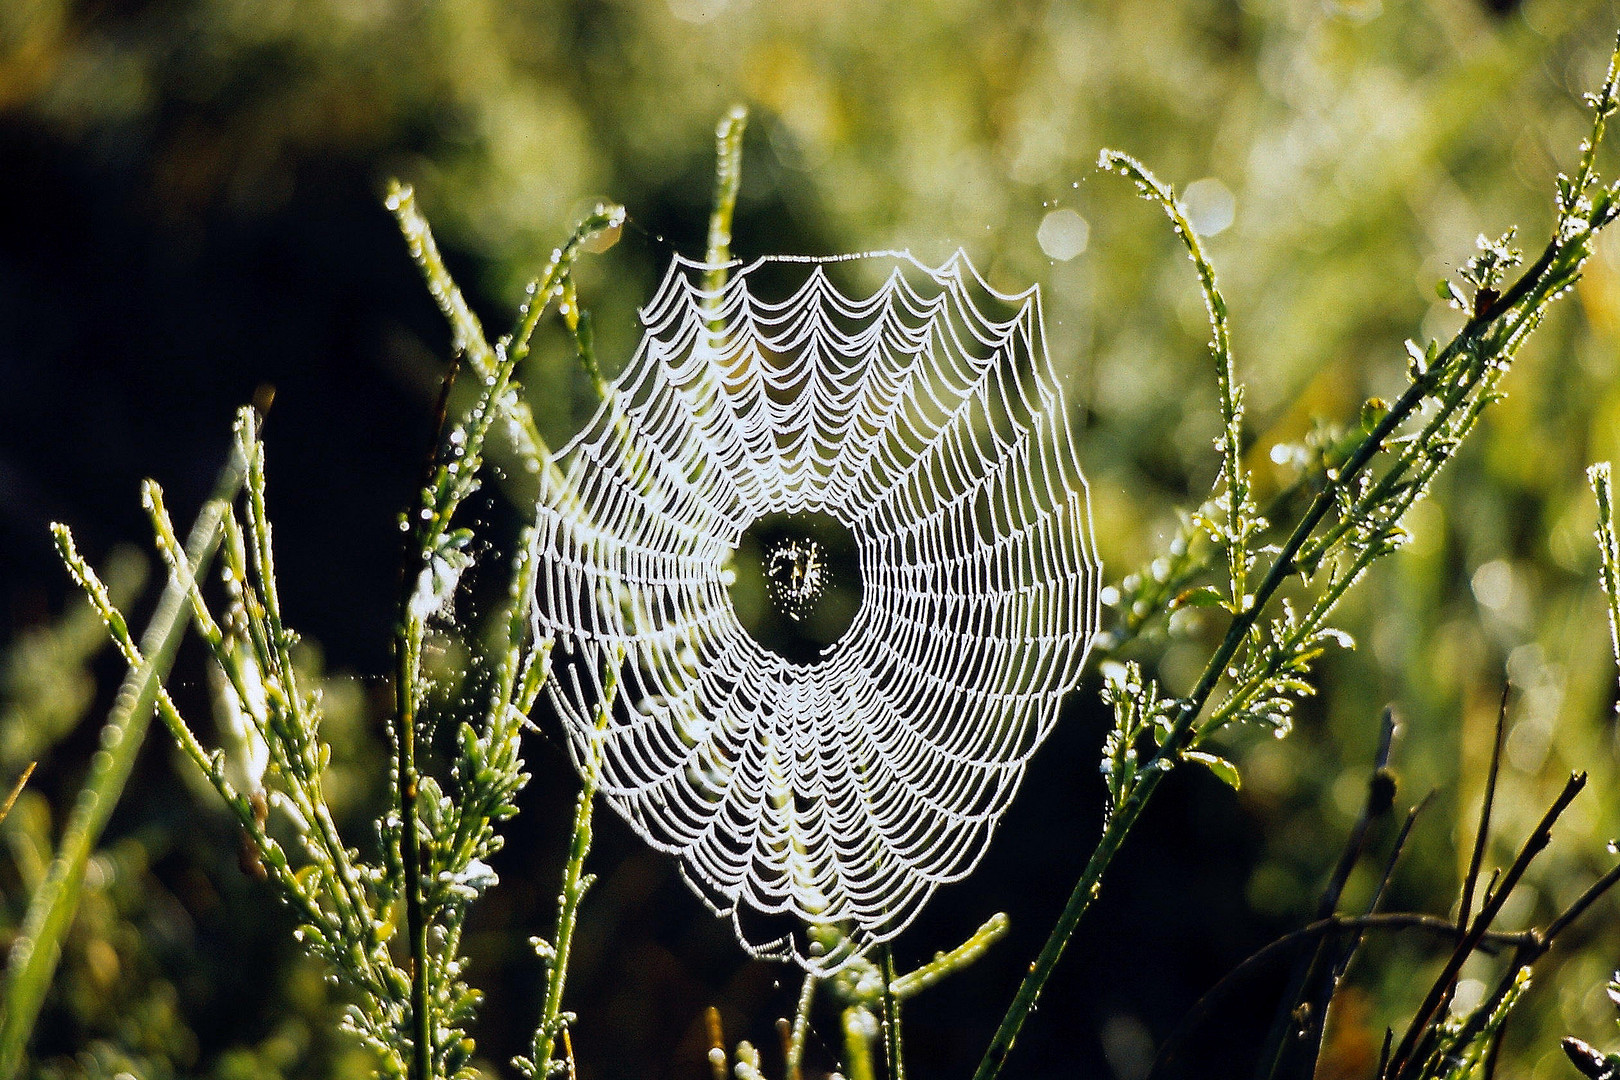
(143, 989)
(1344, 153)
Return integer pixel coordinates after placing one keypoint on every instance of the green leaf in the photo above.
(1225, 771)
(1373, 411)
(1202, 597)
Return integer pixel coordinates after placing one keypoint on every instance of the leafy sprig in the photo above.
(1260, 668)
(36, 950)
(390, 927)
(436, 557)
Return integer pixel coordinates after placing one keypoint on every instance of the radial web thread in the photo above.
(927, 420)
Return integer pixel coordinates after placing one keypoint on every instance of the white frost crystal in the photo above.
(927, 421)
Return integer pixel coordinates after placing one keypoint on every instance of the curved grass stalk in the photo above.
(1240, 525)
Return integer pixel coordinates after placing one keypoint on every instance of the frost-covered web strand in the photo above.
(927, 420)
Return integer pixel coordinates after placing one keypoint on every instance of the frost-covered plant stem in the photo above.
(575, 883)
(799, 1031)
(893, 1045)
(467, 339)
(411, 858)
(410, 1001)
(728, 137)
(34, 956)
(436, 550)
(1232, 502)
(1454, 386)
(336, 898)
(1600, 477)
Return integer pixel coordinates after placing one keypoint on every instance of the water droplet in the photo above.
(1063, 235)
(1210, 206)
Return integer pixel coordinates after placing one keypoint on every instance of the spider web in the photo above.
(925, 418)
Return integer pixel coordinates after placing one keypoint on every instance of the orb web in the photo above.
(845, 785)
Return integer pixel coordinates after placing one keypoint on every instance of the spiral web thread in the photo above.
(844, 790)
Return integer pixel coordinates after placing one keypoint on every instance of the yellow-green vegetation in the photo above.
(1330, 164)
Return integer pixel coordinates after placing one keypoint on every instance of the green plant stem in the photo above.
(408, 658)
(442, 492)
(858, 1025)
(947, 963)
(273, 859)
(1405, 1062)
(574, 885)
(467, 332)
(272, 644)
(1080, 898)
(452, 476)
(34, 957)
(794, 1066)
(728, 137)
(568, 912)
(893, 1050)
(1124, 817)
(1534, 289)
(16, 790)
(1608, 549)
(728, 142)
(1230, 443)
